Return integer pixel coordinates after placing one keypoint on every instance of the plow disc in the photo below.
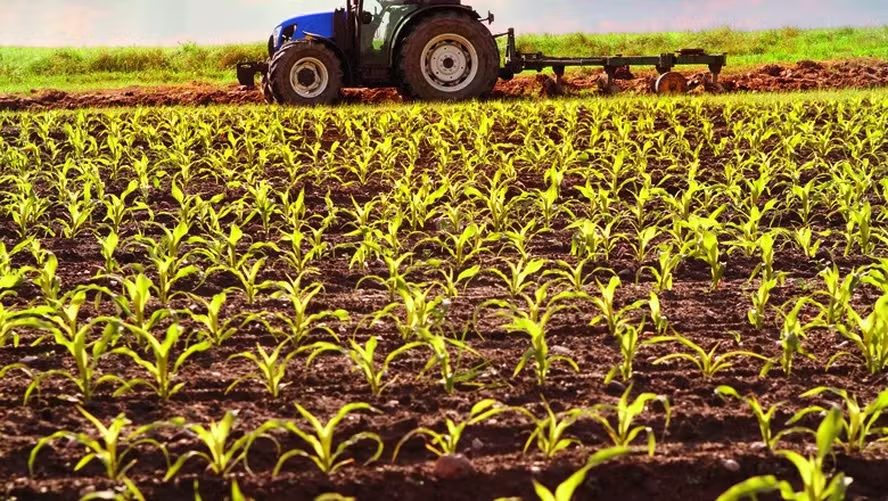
(671, 83)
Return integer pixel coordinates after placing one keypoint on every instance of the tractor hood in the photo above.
(320, 24)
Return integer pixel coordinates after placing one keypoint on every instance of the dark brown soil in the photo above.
(803, 76)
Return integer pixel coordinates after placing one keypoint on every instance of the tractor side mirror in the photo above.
(366, 17)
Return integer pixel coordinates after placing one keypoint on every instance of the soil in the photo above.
(709, 445)
(803, 76)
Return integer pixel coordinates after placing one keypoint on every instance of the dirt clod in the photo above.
(453, 467)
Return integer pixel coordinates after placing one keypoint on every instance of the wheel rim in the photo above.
(309, 77)
(449, 63)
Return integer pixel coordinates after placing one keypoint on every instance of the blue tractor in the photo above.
(429, 49)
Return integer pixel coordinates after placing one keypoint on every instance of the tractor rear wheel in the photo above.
(448, 57)
(305, 73)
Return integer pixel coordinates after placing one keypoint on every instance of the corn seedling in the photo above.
(447, 443)
(710, 363)
(110, 444)
(817, 483)
(270, 369)
(161, 363)
(765, 418)
(363, 358)
(321, 449)
(622, 431)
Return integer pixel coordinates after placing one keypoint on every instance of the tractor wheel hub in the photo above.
(449, 63)
(309, 77)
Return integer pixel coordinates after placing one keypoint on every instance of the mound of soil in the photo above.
(805, 75)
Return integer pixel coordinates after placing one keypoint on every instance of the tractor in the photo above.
(437, 50)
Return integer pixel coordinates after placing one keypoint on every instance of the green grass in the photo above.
(23, 69)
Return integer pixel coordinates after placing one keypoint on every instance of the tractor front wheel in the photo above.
(305, 73)
(448, 57)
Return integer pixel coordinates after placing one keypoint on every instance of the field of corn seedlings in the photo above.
(656, 299)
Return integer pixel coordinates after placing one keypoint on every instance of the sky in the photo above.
(170, 22)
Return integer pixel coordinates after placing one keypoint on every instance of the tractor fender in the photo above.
(347, 74)
(416, 17)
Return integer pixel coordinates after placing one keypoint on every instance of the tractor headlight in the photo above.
(277, 34)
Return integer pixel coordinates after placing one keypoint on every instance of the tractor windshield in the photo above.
(384, 16)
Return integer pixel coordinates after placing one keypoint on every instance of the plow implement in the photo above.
(669, 81)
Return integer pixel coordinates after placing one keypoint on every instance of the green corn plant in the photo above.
(170, 271)
(622, 431)
(859, 230)
(709, 253)
(303, 250)
(710, 363)
(792, 334)
(573, 277)
(11, 320)
(319, 444)
(27, 209)
(518, 240)
(539, 353)
(520, 276)
(817, 483)
(248, 277)
(111, 445)
(223, 250)
(363, 359)
(299, 322)
(659, 320)
(593, 240)
(566, 490)
(869, 335)
(447, 365)
(270, 368)
(107, 247)
(663, 273)
(447, 442)
(79, 208)
(464, 246)
(211, 326)
(85, 353)
(450, 282)
(422, 314)
(806, 241)
(860, 427)
(765, 246)
(605, 303)
(760, 298)
(397, 273)
(133, 304)
(495, 202)
(46, 278)
(765, 418)
(118, 209)
(642, 244)
(223, 453)
(550, 431)
(161, 364)
(629, 337)
(838, 292)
